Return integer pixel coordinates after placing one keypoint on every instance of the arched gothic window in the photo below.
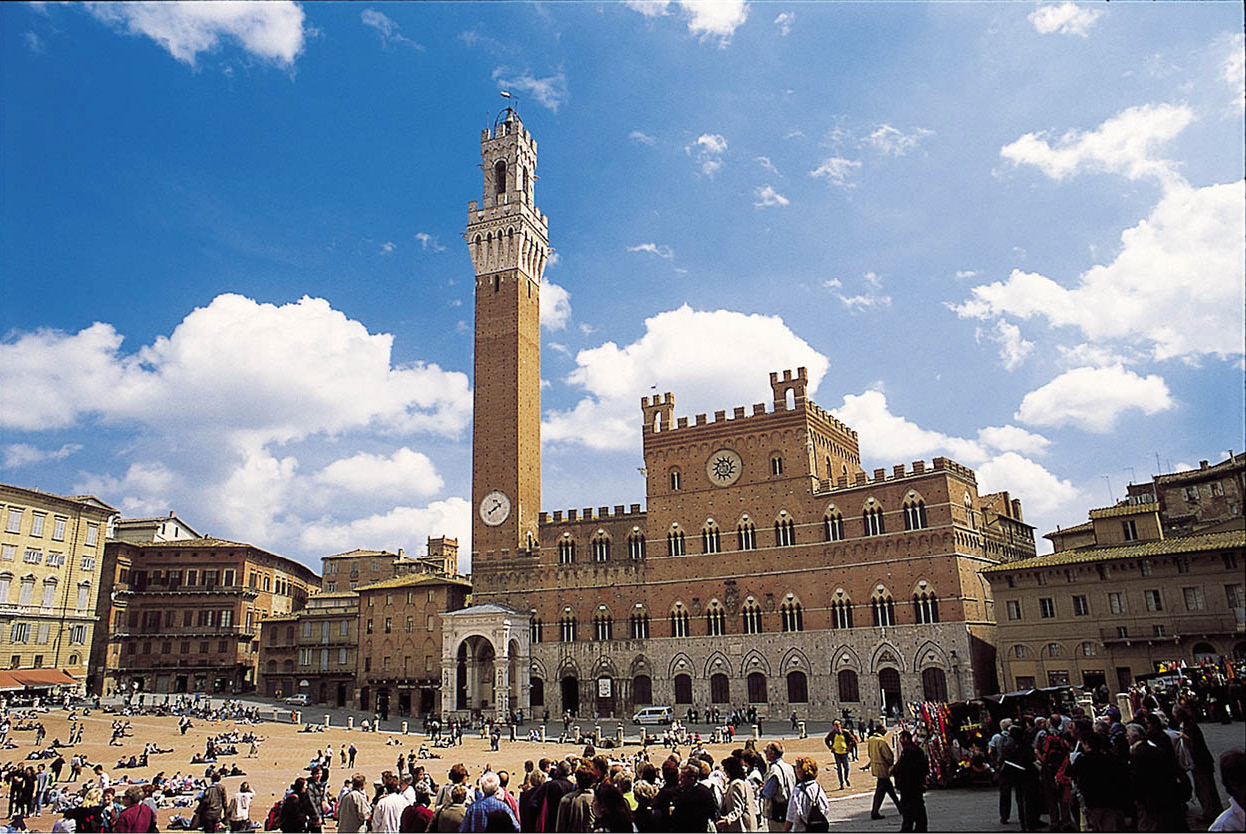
(711, 538)
(601, 549)
(926, 604)
(566, 550)
(784, 532)
(747, 531)
(603, 626)
(675, 543)
(841, 613)
(834, 526)
(636, 546)
(640, 624)
(883, 608)
(752, 618)
(914, 514)
(793, 617)
(499, 177)
(873, 519)
(566, 627)
(715, 621)
(679, 623)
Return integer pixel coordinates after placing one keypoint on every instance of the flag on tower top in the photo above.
(506, 94)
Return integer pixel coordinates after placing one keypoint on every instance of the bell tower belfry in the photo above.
(508, 239)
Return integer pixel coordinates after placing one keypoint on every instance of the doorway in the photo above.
(571, 695)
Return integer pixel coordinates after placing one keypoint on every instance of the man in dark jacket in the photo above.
(547, 796)
(695, 806)
(1204, 765)
(910, 777)
(212, 804)
(1102, 782)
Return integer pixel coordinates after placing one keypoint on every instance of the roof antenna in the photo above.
(1110, 493)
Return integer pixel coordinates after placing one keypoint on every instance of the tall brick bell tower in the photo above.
(508, 239)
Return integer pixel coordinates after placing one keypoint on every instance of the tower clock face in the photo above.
(495, 508)
(724, 467)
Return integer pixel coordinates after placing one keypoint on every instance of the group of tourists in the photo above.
(1103, 774)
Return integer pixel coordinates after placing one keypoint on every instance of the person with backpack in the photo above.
(808, 809)
(777, 788)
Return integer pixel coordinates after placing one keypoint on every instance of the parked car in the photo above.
(300, 700)
(653, 715)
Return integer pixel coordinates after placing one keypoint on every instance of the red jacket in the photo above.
(138, 818)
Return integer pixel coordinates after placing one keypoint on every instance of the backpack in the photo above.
(273, 821)
(815, 820)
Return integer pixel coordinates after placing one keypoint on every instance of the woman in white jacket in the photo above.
(739, 812)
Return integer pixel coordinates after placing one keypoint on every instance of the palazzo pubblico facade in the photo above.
(767, 567)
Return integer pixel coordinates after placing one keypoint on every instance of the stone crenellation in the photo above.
(618, 511)
(939, 464)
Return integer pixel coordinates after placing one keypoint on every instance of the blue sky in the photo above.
(234, 283)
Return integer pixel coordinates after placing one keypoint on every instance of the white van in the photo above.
(653, 715)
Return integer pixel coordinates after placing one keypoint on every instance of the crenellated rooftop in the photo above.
(619, 512)
(899, 472)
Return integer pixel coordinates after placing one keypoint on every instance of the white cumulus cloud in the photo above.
(783, 23)
(1233, 69)
(710, 360)
(1040, 491)
(708, 150)
(24, 454)
(1013, 349)
(272, 31)
(405, 472)
(714, 20)
(555, 306)
(653, 249)
(403, 526)
(390, 32)
(895, 142)
(1094, 398)
(1064, 19)
(997, 455)
(428, 243)
(767, 197)
(836, 170)
(550, 92)
(641, 137)
(1124, 144)
(1176, 284)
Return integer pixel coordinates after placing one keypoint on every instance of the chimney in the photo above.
(1202, 464)
(401, 552)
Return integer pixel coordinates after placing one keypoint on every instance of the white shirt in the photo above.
(803, 797)
(242, 806)
(387, 813)
(1233, 818)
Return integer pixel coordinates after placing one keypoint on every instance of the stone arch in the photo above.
(716, 662)
(837, 658)
(680, 664)
(463, 638)
(886, 654)
(754, 661)
(568, 667)
(922, 659)
(641, 666)
(537, 668)
(795, 661)
(604, 668)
